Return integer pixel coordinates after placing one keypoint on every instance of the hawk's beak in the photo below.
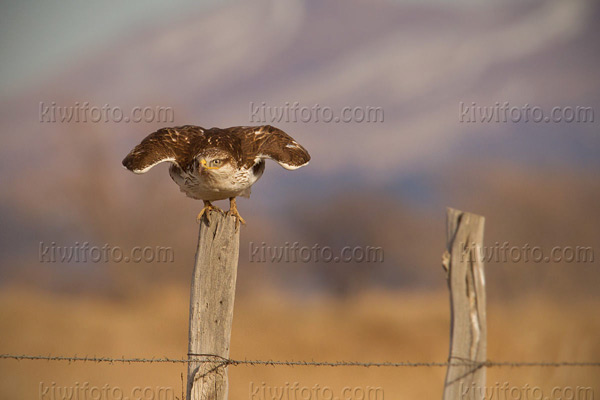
(205, 165)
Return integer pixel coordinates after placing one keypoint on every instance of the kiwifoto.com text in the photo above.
(264, 113)
(314, 253)
(84, 112)
(504, 112)
(526, 253)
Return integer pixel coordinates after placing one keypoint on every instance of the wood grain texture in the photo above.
(466, 281)
(211, 307)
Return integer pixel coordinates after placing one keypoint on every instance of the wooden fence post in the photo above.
(463, 262)
(211, 307)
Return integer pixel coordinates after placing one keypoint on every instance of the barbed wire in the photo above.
(292, 363)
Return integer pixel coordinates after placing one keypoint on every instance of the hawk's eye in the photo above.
(215, 163)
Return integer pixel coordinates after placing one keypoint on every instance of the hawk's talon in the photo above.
(204, 213)
(234, 211)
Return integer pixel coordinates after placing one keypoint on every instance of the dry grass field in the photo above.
(372, 327)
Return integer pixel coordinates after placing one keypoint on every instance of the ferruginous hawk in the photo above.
(216, 164)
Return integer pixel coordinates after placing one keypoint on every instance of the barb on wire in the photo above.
(273, 363)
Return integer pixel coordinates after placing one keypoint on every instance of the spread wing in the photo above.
(166, 144)
(260, 142)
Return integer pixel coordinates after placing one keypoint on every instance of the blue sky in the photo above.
(38, 37)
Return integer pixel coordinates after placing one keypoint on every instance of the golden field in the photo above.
(375, 326)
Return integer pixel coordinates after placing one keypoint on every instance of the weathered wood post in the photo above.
(463, 262)
(211, 307)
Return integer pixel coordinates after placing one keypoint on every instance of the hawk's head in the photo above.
(216, 162)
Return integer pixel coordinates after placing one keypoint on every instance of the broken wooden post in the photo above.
(466, 280)
(211, 307)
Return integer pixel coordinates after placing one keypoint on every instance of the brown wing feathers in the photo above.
(167, 144)
(246, 143)
(270, 142)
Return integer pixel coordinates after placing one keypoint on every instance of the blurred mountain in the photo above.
(383, 183)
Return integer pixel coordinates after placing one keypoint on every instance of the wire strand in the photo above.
(293, 363)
